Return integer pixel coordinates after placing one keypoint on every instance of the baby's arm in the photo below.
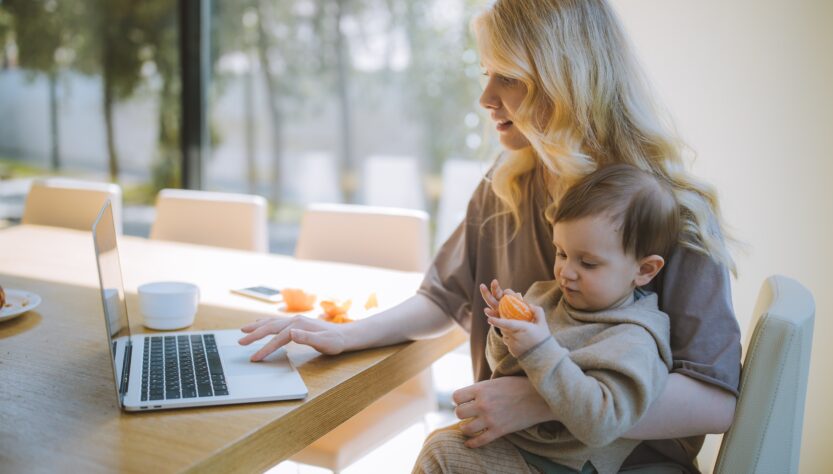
(500, 360)
(597, 405)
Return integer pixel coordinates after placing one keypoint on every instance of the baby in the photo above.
(597, 348)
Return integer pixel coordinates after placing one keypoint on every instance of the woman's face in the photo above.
(501, 97)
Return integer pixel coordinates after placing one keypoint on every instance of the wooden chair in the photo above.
(383, 237)
(236, 221)
(70, 203)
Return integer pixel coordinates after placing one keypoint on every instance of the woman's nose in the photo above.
(488, 99)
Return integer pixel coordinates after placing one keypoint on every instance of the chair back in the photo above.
(236, 221)
(316, 178)
(766, 433)
(378, 236)
(70, 203)
(460, 179)
(394, 181)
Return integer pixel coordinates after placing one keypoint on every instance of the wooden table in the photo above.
(58, 407)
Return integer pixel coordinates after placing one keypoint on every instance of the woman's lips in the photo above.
(504, 125)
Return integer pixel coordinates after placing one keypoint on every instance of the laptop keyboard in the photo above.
(182, 367)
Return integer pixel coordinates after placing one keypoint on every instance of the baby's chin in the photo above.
(578, 302)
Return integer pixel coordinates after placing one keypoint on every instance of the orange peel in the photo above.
(335, 312)
(372, 301)
(297, 300)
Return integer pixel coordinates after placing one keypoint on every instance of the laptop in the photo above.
(180, 369)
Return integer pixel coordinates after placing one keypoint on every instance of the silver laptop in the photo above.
(180, 369)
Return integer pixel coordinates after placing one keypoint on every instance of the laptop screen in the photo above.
(112, 289)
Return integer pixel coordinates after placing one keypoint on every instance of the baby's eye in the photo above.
(559, 254)
(589, 265)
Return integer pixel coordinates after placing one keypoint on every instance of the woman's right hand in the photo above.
(327, 338)
(493, 408)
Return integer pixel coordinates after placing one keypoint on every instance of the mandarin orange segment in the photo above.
(341, 319)
(332, 309)
(371, 302)
(512, 307)
(297, 300)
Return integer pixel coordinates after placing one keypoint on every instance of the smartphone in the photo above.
(263, 293)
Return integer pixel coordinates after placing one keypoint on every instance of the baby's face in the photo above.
(590, 265)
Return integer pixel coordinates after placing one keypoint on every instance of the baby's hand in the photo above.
(491, 295)
(521, 336)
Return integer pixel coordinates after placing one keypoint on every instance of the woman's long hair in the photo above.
(587, 105)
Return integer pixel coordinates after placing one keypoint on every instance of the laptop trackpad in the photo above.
(236, 361)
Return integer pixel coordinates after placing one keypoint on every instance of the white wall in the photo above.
(750, 84)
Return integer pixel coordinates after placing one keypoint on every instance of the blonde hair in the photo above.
(587, 105)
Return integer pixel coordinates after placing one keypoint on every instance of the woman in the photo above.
(566, 96)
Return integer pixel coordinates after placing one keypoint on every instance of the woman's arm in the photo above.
(686, 407)
(415, 318)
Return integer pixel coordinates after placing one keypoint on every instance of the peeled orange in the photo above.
(335, 312)
(340, 319)
(512, 307)
(297, 300)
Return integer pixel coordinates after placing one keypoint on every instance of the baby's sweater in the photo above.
(599, 372)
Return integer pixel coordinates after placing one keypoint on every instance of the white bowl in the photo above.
(168, 304)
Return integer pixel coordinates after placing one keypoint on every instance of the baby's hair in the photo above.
(641, 206)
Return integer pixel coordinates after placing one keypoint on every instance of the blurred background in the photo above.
(368, 101)
(297, 100)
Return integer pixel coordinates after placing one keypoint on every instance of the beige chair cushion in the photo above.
(70, 203)
(386, 237)
(236, 221)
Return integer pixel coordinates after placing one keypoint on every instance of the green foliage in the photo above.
(116, 40)
(10, 168)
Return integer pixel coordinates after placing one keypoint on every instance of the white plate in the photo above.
(17, 303)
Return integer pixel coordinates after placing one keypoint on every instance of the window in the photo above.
(308, 100)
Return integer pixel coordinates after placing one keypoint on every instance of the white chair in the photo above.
(766, 433)
(377, 236)
(236, 221)
(459, 180)
(71, 203)
(394, 181)
(317, 178)
(383, 237)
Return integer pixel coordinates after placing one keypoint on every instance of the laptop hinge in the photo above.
(125, 368)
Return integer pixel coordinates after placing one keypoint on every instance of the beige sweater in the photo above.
(599, 373)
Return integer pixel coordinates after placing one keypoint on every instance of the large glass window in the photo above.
(90, 89)
(341, 100)
(309, 100)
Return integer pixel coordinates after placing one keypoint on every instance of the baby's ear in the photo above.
(648, 268)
